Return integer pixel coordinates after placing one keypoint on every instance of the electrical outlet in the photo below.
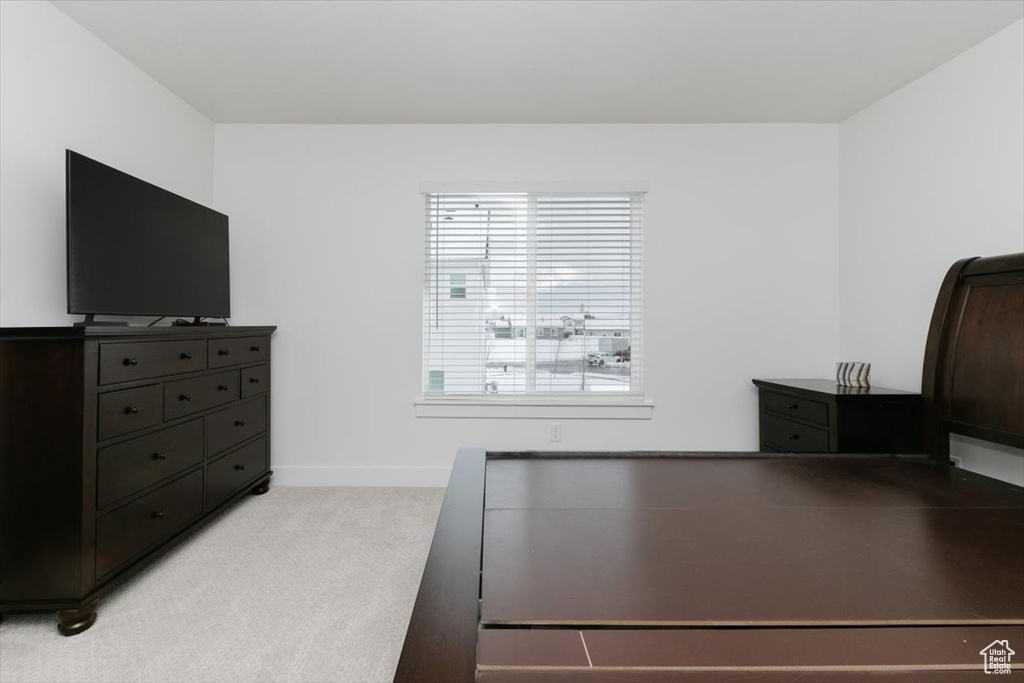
(556, 431)
(956, 461)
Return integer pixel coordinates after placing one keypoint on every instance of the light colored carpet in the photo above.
(301, 584)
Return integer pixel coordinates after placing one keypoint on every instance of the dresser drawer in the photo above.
(120, 412)
(125, 533)
(793, 437)
(234, 425)
(799, 408)
(255, 380)
(234, 351)
(124, 362)
(199, 393)
(131, 466)
(235, 470)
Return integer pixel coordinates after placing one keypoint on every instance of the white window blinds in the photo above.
(533, 294)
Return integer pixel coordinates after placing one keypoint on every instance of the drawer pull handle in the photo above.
(794, 406)
(185, 397)
(239, 467)
(186, 356)
(131, 410)
(222, 387)
(239, 423)
(223, 352)
(159, 514)
(159, 456)
(254, 380)
(794, 437)
(131, 361)
(254, 348)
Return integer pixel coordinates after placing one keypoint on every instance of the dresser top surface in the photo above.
(130, 331)
(827, 387)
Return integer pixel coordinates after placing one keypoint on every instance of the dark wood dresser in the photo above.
(115, 442)
(819, 416)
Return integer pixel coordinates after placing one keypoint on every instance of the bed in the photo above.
(749, 567)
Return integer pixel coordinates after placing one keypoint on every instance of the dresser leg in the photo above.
(71, 622)
(262, 487)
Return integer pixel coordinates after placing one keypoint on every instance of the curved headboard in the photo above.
(973, 382)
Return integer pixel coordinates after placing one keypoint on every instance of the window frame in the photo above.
(632, 405)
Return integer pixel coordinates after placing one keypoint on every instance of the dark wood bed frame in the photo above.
(973, 379)
(973, 384)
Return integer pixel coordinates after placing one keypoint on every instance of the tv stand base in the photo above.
(90, 321)
(196, 322)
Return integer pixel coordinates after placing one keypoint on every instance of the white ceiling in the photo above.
(545, 61)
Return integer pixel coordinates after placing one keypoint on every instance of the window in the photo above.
(563, 270)
(435, 381)
(458, 286)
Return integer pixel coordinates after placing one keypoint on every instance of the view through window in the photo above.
(533, 294)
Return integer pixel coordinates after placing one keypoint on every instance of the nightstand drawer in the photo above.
(799, 408)
(235, 470)
(127, 361)
(227, 351)
(192, 395)
(120, 412)
(125, 533)
(793, 437)
(127, 467)
(234, 425)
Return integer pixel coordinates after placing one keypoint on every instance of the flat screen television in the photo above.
(136, 249)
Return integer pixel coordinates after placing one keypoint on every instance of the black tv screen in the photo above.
(136, 249)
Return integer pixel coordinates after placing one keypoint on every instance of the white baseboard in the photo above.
(300, 475)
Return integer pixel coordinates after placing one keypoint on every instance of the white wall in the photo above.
(327, 242)
(752, 248)
(931, 174)
(61, 87)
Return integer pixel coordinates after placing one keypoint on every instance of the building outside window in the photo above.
(533, 294)
(458, 286)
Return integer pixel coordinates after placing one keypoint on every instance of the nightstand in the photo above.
(819, 416)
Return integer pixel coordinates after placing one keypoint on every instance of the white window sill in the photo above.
(534, 409)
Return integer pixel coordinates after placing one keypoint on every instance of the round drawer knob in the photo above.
(794, 406)
(254, 348)
(159, 514)
(254, 380)
(185, 397)
(239, 423)
(159, 456)
(131, 410)
(794, 437)
(223, 352)
(131, 361)
(186, 356)
(222, 387)
(239, 467)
